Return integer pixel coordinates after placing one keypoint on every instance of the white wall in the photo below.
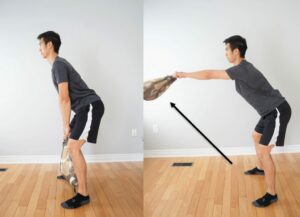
(188, 36)
(103, 41)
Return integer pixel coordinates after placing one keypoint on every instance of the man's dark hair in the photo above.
(238, 42)
(53, 37)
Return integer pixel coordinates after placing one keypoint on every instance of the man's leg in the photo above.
(258, 170)
(264, 154)
(79, 164)
(256, 138)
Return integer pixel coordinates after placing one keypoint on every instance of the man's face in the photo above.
(231, 55)
(44, 48)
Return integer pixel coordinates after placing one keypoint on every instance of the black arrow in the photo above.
(207, 139)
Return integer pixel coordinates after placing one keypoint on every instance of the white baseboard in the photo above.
(45, 159)
(229, 151)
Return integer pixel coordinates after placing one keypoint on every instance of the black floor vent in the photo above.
(182, 164)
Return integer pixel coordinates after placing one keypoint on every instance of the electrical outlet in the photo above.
(133, 132)
(155, 128)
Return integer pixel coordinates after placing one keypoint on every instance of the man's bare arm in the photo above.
(204, 75)
(65, 106)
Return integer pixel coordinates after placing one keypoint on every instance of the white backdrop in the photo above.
(188, 36)
(103, 41)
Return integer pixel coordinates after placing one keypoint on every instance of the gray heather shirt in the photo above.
(80, 94)
(251, 84)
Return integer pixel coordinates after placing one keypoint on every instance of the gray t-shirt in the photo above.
(80, 94)
(251, 84)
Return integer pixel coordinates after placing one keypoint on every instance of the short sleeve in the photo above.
(234, 72)
(60, 72)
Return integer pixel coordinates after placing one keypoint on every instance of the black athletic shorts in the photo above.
(273, 125)
(85, 123)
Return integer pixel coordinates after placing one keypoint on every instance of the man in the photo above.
(274, 110)
(74, 95)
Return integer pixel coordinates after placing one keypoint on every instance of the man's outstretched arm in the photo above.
(203, 75)
(65, 106)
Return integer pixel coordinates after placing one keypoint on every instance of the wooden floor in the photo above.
(212, 187)
(116, 189)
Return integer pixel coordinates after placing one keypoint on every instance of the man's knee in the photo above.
(263, 152)
(74, 146)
